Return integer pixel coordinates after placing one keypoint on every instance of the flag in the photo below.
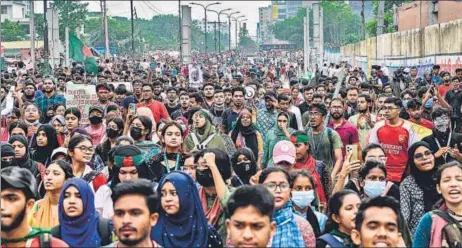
(82, 53)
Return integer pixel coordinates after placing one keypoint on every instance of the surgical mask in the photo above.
(429, 103)
(136, 133)
(441, 124)
(204, 177)
(96, 120)
(374, 188)
(405, 102)
(302, 198)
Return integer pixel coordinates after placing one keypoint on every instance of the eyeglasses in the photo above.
(420, 156)
(273, 186)
(389, 108)
(86, 149)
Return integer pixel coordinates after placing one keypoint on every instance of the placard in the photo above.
(81, 96)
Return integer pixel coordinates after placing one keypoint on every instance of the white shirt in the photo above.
(103, 202)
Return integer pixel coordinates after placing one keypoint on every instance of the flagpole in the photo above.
(67, 46)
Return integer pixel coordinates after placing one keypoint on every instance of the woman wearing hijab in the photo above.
(245, 134)
(418, 190)
(281, 131)
(79, 223)
(59, 123)
(204, 135)
(44, 143)
(182, 222)
(244, 166)
(21, 154)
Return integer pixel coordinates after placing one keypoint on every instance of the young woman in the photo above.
(59, 109)
(182, 222)
(44, 143)
(343, 207)
(418, 190)
(291, 229)
(171, 158)
(21, 154)
(123, 169)
(281, 131)
(80, 152)
(72, 117)
(45, 211)
(140, 130)
(305, 200)
(31, 118)
(432, 230)
(244, 166)
(244, 134)
(114, 129)
(79, 223)
(204, 135)
(59, 123)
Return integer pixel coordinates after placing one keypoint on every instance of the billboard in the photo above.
(275, 12)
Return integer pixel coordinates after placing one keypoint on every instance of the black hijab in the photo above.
(43, 154)
(424, 179)
(25, 161)
(249, 133)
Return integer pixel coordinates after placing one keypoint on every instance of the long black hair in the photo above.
(335, 204)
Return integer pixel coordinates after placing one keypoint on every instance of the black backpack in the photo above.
(103, 228)
(451, 232)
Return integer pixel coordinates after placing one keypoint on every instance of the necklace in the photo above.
(177, 162)
(453, 213)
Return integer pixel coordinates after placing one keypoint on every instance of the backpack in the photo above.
(103, 228)
(203, 145)
(451, 232)
(331, 240)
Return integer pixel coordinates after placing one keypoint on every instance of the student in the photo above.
(291, 229)
(377, 230)
(79, 223)
(44, 143)
(343, 207)
(17, 200)
(182, 222)
(249, 217)
(204, 134)
(244, 166)
(434, 228)
(135, 214)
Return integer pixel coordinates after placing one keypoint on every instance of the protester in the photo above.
(244, 134)
(204, 135)
(244, 166)
(140, 129)
(45, 211)
(17, 194)
(114, 130)
(182, 222)
(281, 131)
(96, 129)
(45, 142)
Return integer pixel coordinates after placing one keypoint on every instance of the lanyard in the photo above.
(177, 162)
(448, 144)
(316, 146)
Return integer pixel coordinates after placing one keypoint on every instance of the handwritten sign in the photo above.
(81, 96)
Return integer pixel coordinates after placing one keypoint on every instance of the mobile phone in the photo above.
(353, 150)
(132, 108)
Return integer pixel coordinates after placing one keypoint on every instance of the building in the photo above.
(285, 9)
(211, 26)
(419, 14)
(16, 11)
(264, 22)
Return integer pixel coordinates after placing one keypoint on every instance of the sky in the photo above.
(146, 9)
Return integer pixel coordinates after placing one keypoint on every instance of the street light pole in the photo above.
(235, 28)
(229, 28)
(219, 25)
(205, 18)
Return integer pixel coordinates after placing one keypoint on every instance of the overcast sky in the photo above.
(146, 9)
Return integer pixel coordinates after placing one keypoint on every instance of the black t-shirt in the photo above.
(455, 100)
(170, 110)
(456, 139)
(157, 162)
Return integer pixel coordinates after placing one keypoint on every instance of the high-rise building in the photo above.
(16, 11)
(264, 20)
(285, 9)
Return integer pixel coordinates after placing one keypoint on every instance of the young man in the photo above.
(209, 91)
(249, 214)
(308, 92)
(49, 97)
(414, 109)
(230, 114)
(134, 213)
(157, 108)
(364, 120)
(228, 97)
(218, 106)
(184, 107)
(352, 101)
(395, 136)
(285, 104)
(17, 199)
(172, 100)
(378, 230)
(137, 96)
(347, 131)
(454, 99)
(102, 92)
(266, 117)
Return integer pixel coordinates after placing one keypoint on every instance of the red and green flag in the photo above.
(82, 53)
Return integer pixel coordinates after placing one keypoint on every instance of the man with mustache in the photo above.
(17, 200)
(134, 213)
(49, 97)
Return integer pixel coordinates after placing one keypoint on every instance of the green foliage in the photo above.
(39, 23)
(371, 26)
(71, 14)
(341, 25)
(12, 31)
(245, 42)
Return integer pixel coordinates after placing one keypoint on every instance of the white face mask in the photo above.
(374, 188)
(302, 198)
(442, 123)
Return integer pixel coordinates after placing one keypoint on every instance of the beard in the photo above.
(336, 116)
(48, 90)
(362, 111)
(16, 222)
(417, 116)
(133, 242)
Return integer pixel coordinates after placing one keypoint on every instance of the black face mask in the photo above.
(111, 133)
(136, 133)
(204, 177)
(243, 170)
(96, 120)
(8, 163)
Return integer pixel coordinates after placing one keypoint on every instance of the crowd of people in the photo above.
(228, 152)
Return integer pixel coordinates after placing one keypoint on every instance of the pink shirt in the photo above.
(97, 135)
(348, 133)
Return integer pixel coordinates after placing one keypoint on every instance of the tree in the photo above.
(12, 31)
(39, 23)
(71, 14)
(389, 26)
(245, 42)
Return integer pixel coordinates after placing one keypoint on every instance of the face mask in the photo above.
(302, 198)
(429, 103)
(136, 133)
(111, 133)
(405, 102)
(243, 169)
(374, 188)
(204, 177)
(441, 124)
(8, 163)
(96, 120)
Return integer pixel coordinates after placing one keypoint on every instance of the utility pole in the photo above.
(45, 33)
(363, 21)
(106, 34)
(133, 27)
(380, 15)
(205, 18)
(180, 32)
(316, 32)
(32, 33)
(307, 40)
(215, 34)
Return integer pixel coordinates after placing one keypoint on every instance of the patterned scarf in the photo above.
(287, 231)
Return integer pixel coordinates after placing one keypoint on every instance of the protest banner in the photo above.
(81, 96)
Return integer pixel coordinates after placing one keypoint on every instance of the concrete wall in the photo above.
(437, 44)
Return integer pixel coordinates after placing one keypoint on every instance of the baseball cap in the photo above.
(96, 107)
(284, 151)
(59, 150)
(19, 178)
